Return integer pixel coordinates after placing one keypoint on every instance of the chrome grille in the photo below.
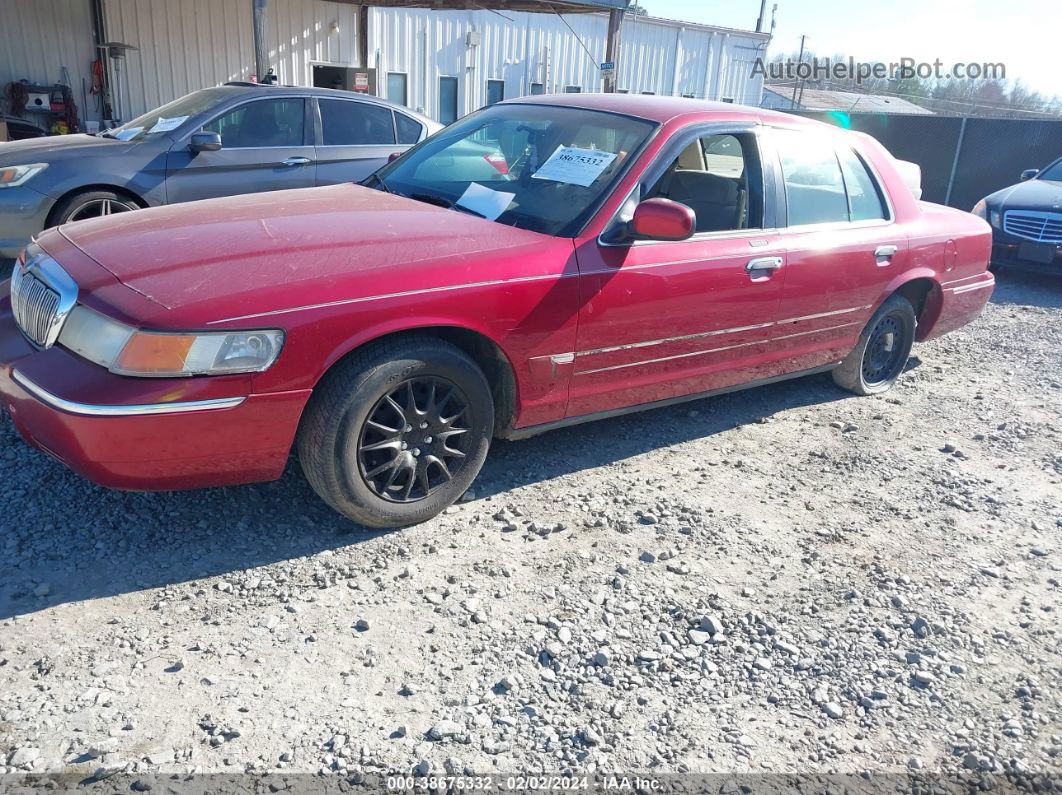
(42, 295)
(36, 306)
(1033, 225)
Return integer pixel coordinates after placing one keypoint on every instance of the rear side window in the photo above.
(864, 196)
(814, 187)
(350, 123)
(408, 130)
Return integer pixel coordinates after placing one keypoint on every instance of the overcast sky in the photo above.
(1023, 34)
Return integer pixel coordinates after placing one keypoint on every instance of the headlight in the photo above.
(13, 176)
(125, 350)
(993, 218)
(979, 209)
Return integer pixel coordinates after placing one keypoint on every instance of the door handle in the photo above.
(295, 161)
(883, 254)
(764, 264)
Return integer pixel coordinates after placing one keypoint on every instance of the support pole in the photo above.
(955, 161)
(261, 48)
(615, 19)
(363, 36)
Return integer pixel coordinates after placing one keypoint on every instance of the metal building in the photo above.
(445, 63)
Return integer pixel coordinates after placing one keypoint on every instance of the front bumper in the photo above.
(143, 434)
(1007, 250)
(23, 213)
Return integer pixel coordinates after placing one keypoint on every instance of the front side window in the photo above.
(814, 187)
(718, 177)
(1053, 172)
(864, 197)
(545, 169)
(262, 123)
(351, 123)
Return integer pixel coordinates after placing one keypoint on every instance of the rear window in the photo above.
(351, 123)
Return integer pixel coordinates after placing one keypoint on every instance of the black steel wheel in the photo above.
(397, 431)
(415, 439)
(883, 349)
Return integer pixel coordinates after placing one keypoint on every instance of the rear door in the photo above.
(842, 245)
(355, 138)
(266, 145)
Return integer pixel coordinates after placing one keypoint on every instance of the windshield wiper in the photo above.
(379, 181)
(442, 201)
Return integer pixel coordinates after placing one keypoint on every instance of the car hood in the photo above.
(1034, 194)
(55, 147)
(269, 252)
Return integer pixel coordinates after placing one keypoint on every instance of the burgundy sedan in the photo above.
(543, 262)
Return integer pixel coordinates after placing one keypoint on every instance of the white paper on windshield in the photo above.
(575, 166)
(488, 203)
(165, 125)
(132, 132)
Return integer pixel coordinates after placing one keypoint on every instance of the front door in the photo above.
(666, 319)
(265, 147)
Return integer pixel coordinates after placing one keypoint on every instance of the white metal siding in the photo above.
(186, 45)
(656, 55)
(37, 38)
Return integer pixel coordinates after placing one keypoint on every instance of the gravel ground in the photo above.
(788, 579)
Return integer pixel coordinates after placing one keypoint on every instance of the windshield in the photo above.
(535, 167)
(1053, 172)
(167, 118)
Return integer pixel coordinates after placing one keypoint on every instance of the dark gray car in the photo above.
(236, 138)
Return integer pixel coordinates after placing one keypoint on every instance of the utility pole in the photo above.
(615, 19)
(800, 59)
(261, 48)
(759, 19)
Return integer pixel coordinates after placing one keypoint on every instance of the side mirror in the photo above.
(662, 219)
(1029, 173)
(205, 142)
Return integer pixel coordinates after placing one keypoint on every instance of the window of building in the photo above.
(864, 196)
(623, 91)
(537, 88)
(447, 100)
(718, 177)
(352, 123)
(727, 99)
(495, 91)
(814, 187)
(649, 93)
(264, 122)
(409, 130)
(689, 96)
(397, 88)
(573, 90)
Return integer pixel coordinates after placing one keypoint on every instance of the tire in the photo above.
(877, 360)
(92, 204)
(363, 462)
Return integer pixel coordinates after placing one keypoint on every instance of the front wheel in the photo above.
(397, 432)
(883, 349)
(92, 204)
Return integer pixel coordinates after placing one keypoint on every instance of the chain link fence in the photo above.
(963, 159)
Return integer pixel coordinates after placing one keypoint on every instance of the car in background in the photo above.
(543, 262)
(1026, 221)
(231, 139)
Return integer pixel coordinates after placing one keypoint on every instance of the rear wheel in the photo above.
(93, 204)
(398, 432)
(883, 349)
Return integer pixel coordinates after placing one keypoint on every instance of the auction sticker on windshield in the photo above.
(165, 125)
(575, 166)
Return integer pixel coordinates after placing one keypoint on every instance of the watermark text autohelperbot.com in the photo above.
(815, 68)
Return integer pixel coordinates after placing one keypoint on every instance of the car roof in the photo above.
(657, 108)
(242, 88)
